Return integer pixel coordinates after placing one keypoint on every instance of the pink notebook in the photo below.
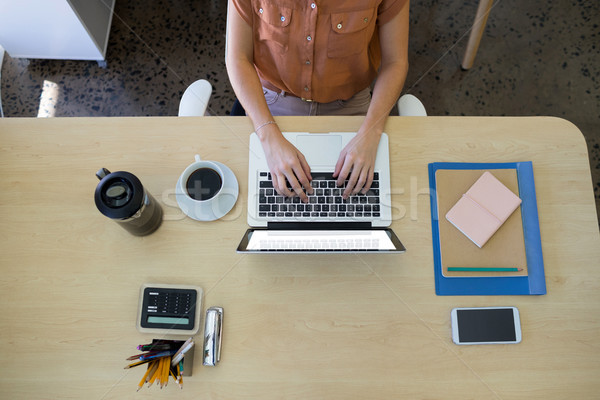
(483, 209)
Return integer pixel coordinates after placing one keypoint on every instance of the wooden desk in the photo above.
(303, 326)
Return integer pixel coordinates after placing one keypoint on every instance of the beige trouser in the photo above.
(285, 104)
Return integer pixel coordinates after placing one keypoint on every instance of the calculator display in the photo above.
(168, 308)
(168, 320)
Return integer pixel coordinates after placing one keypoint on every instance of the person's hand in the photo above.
(357, 163)
(286, 163)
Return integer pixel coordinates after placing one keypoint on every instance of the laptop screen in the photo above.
(374, 240)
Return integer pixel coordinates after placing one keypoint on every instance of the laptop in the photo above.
(327, 223)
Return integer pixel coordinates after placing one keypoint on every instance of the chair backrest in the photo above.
(410, 106)
(195, 99)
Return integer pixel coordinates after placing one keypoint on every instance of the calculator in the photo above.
(169, 309)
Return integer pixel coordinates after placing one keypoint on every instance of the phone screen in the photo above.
(486, 325)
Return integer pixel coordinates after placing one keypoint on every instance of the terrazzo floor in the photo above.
(536, 58)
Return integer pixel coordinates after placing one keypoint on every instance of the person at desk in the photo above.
(318, 57)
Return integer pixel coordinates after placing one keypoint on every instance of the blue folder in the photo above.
(535, 282)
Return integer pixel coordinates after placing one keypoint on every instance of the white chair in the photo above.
(410, 106)
(195, 99)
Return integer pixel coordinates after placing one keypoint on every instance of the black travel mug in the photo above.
(121, 197)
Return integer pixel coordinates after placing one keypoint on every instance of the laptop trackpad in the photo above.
(320, 149)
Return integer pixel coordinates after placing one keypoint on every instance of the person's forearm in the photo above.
(242, 73)
(286, 163)
(357, 160)
(387, 89)
(248, 89)
(392, 74)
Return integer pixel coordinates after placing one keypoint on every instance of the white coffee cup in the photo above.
(206, 190)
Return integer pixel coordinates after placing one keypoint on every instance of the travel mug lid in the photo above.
(119, 195)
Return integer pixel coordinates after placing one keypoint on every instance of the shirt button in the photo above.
(307, 62)
(282, 18)
(306, 88)
(313, 5)
(339, 26)
(309, 38)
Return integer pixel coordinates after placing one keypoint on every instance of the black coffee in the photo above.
(204, 184)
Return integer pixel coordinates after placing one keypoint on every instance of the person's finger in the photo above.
(369, 181)
(305, 180)
(360, 182)
(297, 188)
(274, 181)
(303, 185)
(339, 164)
(344, 173)
(281, 185)
(352, 179)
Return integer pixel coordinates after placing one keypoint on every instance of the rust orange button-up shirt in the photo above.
(322, 50)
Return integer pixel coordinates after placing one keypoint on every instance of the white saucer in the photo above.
(211, 210)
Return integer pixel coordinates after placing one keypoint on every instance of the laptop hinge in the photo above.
(318, 226)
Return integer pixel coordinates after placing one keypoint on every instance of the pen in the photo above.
(146, 355)
(154, 343)
(158, 355)
(155, 347)
(482, 269)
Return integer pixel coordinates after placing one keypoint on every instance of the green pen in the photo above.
(482, 269)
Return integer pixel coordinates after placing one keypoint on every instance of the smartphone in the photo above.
(486, 325)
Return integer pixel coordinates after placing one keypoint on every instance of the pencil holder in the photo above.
(164, 359)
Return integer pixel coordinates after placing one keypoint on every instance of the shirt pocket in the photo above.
(273, 24)
(350, 32)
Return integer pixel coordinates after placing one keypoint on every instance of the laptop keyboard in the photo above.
(325, 202)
